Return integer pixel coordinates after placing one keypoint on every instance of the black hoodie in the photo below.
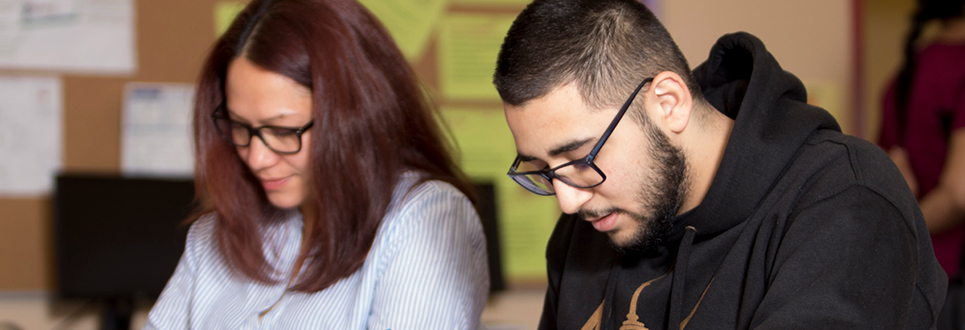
(803, 226)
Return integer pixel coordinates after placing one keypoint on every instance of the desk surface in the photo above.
(517, 309)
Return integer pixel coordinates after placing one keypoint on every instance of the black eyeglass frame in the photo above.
(549, 175)
(220, 113)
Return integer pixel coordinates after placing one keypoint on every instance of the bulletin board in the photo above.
(452, 48)
(171, 40)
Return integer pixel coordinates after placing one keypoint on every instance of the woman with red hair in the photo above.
(328, 197)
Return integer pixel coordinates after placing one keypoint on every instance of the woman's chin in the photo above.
(284, 202)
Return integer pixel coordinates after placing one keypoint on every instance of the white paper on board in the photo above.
(156, 136)
(95, 36)
(31, 131)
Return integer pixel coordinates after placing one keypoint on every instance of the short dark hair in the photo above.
(606, 46)
(372, 122)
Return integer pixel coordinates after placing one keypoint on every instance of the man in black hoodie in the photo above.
(722, 201)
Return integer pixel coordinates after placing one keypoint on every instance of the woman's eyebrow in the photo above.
(234, 116)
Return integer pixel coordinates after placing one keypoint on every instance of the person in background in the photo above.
(711, 199)
(328, 197)
(923, 125)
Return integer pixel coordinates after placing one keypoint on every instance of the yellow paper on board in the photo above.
(468, 45)
(525, 220)
(225, 13)
(410, 22)
(485, 143)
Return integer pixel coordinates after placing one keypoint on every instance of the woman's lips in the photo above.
(274, 184)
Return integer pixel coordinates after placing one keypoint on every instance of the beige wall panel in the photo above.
(885, 23)
(812, 39)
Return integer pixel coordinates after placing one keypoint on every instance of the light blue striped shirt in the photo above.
(426, 270)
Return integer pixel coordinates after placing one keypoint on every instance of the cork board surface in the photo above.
(172, 37)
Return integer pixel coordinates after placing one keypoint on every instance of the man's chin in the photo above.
(639, 239)
(627, 240)
(632, 232)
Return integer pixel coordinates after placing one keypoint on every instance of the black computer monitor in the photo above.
(486, 207)
(118, 238)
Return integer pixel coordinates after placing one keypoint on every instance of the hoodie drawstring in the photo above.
(680, 276)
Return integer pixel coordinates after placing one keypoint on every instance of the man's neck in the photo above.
(704, 149)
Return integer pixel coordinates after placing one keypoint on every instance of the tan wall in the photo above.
(885, 23)
(812, 39)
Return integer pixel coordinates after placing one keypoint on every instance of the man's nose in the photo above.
(571, 199)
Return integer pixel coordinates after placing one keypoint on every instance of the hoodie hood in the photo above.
(772, 120)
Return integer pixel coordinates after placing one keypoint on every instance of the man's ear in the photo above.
(670, 102)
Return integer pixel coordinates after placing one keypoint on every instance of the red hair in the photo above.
(372, 123)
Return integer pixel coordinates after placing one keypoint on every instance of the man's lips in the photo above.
(605, 223)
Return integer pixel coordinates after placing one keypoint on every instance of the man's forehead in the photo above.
(560, 101)
(557, 122)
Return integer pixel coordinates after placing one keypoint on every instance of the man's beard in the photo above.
(661, 194)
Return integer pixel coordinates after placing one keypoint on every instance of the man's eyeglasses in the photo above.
(283, 140)
(580, 173)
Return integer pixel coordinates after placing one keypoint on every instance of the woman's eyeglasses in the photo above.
(283, 140)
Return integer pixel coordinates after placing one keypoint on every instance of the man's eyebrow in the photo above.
(525, 158)
(570, 146)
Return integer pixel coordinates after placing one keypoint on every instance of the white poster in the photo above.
(91, 36)
(30, 135)
(156, 136)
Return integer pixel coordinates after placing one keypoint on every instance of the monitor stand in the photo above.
(117, 313)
